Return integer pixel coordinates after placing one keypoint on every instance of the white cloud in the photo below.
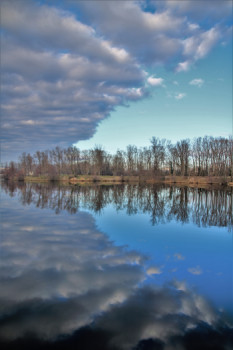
(41, 81)
(183, 66)
(196, 47)
(92, 66)
(193, 26)
(157, 40)
(155, 81)
(215, 10)
(207, 40)
(180, 96)
(197, 82)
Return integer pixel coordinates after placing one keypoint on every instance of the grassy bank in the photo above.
(83, 179)
(184, 180)
(198, 180)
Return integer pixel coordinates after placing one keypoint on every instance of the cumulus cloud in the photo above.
(95, 63)
(197, 82)
(215, 9)
(180, 96)
(48, 76)
(183, 66)
(157, 39)
(198, 46)
(155, 81)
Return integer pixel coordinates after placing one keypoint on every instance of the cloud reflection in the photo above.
(195, 270)
(55, 278)
(65, 285)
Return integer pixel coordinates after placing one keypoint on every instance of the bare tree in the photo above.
(183, 149)
(158, 154)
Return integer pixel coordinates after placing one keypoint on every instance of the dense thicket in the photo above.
(203, 156)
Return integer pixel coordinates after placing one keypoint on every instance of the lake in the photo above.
(116, 267)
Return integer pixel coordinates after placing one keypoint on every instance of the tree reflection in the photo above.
(65, 285)
(179, 208)
(203, 207)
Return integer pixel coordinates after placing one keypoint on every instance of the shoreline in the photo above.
(169, 180)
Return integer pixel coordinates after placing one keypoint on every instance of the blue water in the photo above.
(201, 256)
(123, 267)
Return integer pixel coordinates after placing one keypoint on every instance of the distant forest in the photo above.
(203, 156)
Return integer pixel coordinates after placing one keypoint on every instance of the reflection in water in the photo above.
(61, 276)
(204, 207)
(64, 285)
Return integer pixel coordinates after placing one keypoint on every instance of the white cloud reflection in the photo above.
(62, 274)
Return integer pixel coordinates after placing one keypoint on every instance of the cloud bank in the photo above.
(66, 67)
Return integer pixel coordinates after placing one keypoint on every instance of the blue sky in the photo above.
(202, 109)
(113, 72)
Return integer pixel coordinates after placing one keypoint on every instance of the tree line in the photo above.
(202, 156)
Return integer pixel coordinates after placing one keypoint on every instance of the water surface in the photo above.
(116, 267)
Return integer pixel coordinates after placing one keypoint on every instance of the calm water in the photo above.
(116, 267)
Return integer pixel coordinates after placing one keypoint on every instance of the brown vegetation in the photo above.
(204, 160)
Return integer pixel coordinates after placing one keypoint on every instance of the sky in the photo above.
(113, 73)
